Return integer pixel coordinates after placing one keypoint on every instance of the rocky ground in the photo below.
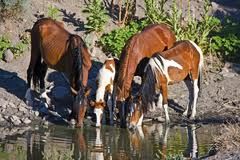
(219, 101)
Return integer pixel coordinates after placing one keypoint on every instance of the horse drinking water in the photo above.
(168, 67)
(53, 46)
(105, 80)
(153, 38)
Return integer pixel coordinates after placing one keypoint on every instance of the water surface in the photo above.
(152, 141)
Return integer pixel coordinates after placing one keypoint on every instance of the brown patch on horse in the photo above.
(153, 38)
(110, 65)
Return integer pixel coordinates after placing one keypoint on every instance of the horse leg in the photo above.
(43, 91)
(188, 83)
(110, 107)
(33, 61)
(165, 101)
(122, 114)
(195, 96)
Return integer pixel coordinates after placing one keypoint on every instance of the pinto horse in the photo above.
(104, 91)
(183, 60)
(153, 38)
(53, 46)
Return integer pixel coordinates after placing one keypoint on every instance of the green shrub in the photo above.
(17, 49)
(53, 12)
(193, 29)
(97, 16)
(4, 45)
(114, 41)
(226, 41)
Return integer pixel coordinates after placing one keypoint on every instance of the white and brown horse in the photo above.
(140, 47)
(53, 46)
(104, 91)
(184, 59)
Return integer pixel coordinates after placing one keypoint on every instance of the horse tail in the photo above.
(148, 88)
(200, 64)
(37, 72)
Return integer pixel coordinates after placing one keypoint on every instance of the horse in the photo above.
(54, 47)
(105, 80)
(183, 60)
(153, 38)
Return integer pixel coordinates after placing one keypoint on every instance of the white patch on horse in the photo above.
(98, 112)
(140, 121)
(163, 68)
(104, 78)
(165, 107)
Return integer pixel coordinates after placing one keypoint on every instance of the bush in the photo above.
(97, 16)
(53, 12)
(226, 41)
(17, 49)
(114, 41)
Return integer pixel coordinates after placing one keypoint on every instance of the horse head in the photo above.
(80, 104)
(98, 110)
(136, 112)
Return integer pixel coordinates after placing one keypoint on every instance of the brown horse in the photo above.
(53, 46)
(183, 60)
(153, 38)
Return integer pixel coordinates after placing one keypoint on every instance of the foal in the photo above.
(105, 80)
(184, 59)
(53, 46)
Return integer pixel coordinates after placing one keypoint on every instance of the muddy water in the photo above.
(153, 141)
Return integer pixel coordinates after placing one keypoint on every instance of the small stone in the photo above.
(8, 56)
(1, 118)
(36, 113)
(26, 121)
(15, 120)
(22, 109)
(3, 103)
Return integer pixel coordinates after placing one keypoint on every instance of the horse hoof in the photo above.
(72, 122)
(185, 113)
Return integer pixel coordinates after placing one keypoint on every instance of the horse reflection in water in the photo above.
(139, 136)
(192, 146)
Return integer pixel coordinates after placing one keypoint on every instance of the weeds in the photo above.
(114, 41)
(17, 49)
(97, 16)
(53, 12)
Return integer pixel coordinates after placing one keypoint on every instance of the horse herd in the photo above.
(152, 54)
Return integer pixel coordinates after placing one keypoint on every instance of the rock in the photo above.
(59, 93)
(1, 118)
(15, 120)
(26, 121)
(36, 113)
(8, 56)
(3, 103)
(22, 109)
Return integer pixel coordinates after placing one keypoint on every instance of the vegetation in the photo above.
(207, 31)
(97, 16)
(17, 49)
(114, 41)
(53, 12)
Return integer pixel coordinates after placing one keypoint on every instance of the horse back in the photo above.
(50, 37)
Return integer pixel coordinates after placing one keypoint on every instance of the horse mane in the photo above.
(148, 87)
